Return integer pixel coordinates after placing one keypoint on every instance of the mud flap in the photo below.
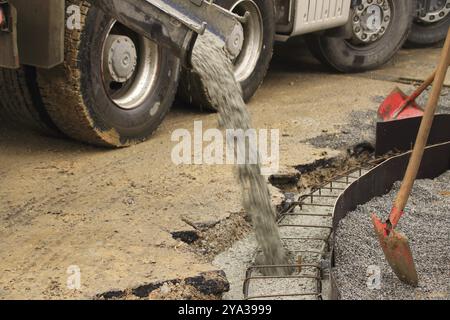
(9, 53)
(40, 33)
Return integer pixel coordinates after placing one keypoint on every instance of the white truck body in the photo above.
(316, 15)
(306, 16)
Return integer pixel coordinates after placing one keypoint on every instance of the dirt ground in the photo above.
(112, 213)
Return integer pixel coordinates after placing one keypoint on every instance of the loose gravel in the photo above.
(361, 127)
(426, 223)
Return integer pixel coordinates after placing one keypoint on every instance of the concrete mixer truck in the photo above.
(106, 72)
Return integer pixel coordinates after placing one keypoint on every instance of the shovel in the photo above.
(394, 244)
(400, 106)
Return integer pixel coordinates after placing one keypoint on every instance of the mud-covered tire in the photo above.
(423, 35)
(341, 55)
(20, 100)
(191, 88)
(76, 97)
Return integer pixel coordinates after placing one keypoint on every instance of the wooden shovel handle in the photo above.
(414, 95)
(422, 87)
(424, 131)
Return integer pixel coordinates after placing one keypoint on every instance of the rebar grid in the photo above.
(312, 200)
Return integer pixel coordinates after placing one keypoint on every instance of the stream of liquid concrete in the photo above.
(215, 69)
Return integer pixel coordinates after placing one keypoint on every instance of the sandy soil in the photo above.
(112, 212)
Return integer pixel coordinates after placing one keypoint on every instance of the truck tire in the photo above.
(431, 28)
(114, 87)
(252, 63)
(368, 47)
(20, 100)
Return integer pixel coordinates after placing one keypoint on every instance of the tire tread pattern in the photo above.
(20, 100)
(61, 91)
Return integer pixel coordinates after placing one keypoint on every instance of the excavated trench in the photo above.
(335, 266)
(305, 201)
(231, 246)
(305, 223)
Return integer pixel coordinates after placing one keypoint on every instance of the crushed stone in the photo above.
(426, 223)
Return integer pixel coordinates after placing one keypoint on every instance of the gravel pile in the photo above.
(361, 127)
(444, 101)
(427, 225)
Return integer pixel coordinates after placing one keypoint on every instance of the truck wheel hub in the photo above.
(235, 42)
(437, 11)
(248, 40)
(370, 20)
(121, 57)
(130, 66)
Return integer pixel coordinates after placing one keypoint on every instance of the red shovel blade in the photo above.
(2, 18)
(394, 107)
(397, 252)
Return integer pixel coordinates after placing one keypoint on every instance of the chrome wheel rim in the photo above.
(129, 66)
(439, 9)
(247, 60)
(370, 20)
